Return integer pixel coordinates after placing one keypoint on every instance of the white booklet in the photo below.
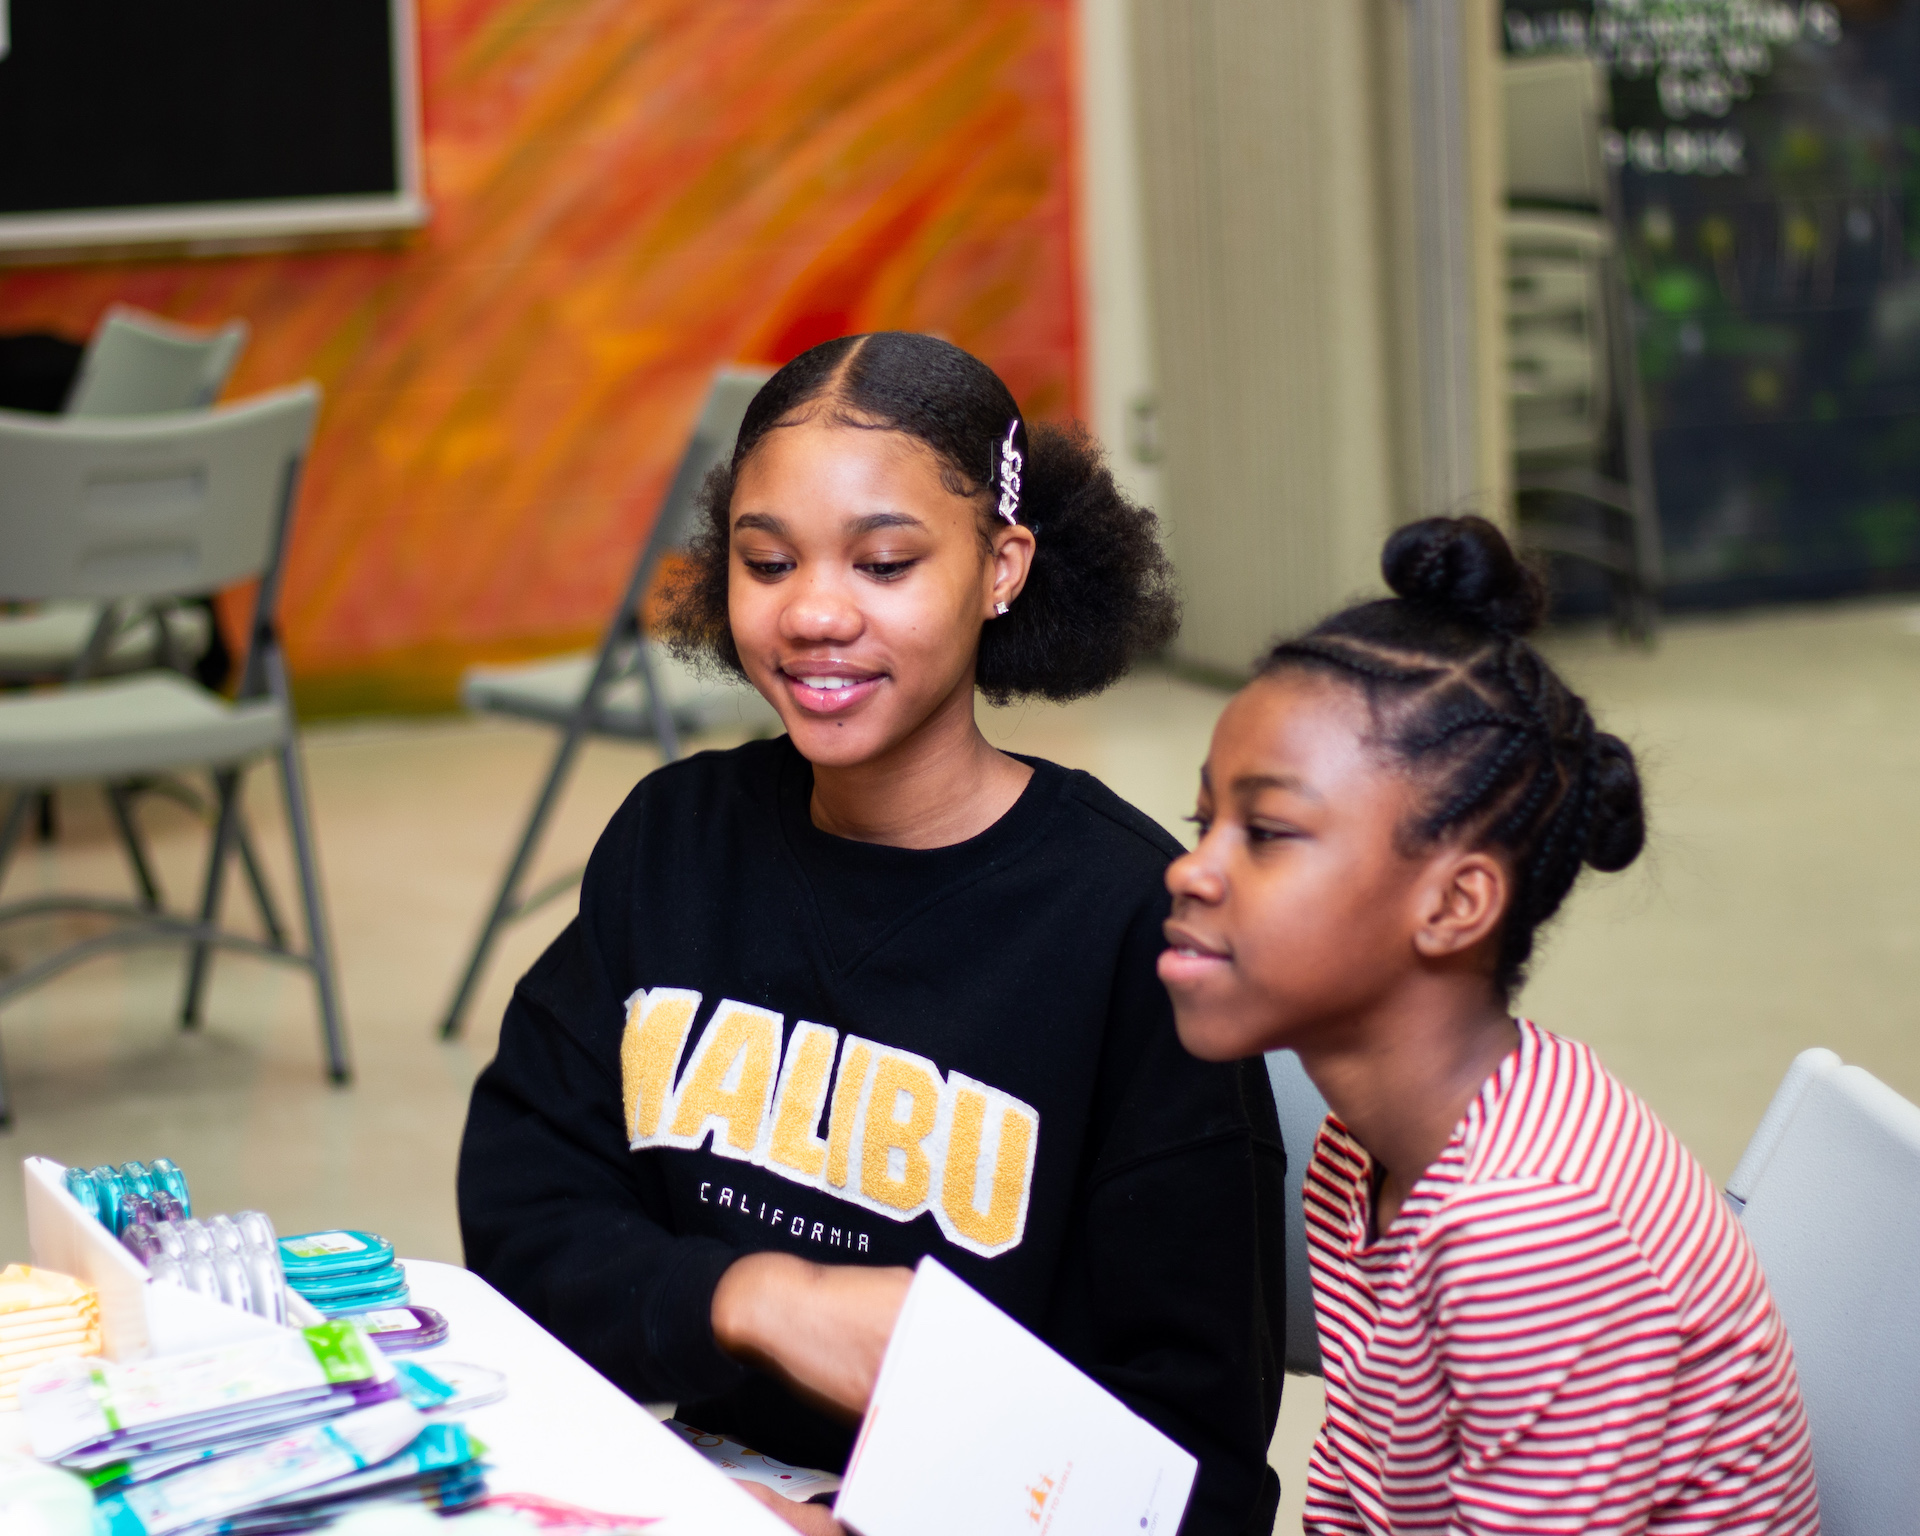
(976, 1428)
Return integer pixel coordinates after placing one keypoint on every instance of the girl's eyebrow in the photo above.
(1253, 783)
(873, 522)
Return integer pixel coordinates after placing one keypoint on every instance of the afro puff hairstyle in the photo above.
(1100, 593)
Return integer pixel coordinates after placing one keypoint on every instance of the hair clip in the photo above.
(1010, 462)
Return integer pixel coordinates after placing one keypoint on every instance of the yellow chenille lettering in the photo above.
(802, 1095)
(749, 1037)
(657, 1025)
(886, 1130)
(1001, 1220)
(846, 1104)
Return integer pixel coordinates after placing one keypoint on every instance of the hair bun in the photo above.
(1618, 829)
(1465, 567)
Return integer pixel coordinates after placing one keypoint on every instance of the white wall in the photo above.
(1114, 320)
(1277, 156)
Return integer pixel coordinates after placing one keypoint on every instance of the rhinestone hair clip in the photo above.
(1010, 464)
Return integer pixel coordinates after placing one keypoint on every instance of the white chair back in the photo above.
(1830, 1190)
(154, 506)
(138, 364)
(1301, 1110)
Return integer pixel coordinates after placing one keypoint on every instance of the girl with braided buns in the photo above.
(1535, 1312)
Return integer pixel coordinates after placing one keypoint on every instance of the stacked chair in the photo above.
(140, 512)
(1583, 467)
(630, 689)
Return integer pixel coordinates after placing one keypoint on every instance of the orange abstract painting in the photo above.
(626, 194)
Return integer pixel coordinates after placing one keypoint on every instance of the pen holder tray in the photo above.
(139, 1317)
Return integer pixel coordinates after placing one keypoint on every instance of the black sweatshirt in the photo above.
(760, 1036)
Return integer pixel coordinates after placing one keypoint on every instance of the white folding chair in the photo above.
(145, 509)
(1301, 1111)
(629, 688)
(1829, 1192)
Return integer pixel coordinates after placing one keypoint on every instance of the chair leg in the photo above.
(122, 804)
(6, 1099)
(319, 946)
(23, 802)
(506, 901)
(664, 730)
(257, 879)
(49, 817)
(9, 835)
(226, 783)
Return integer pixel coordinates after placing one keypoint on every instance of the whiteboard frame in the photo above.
(256, 223)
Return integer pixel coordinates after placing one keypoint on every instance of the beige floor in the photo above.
(1779, 907)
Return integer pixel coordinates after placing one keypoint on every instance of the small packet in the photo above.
(315, 1454)
(746, 1466)
(401, 1330)
(422, 1387)
(96, 1405)
(474, 1386)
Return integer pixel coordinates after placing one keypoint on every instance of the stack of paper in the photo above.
(976, 1428)
(268, 1435)
(43, 1316)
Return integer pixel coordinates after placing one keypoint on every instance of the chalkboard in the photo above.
(1769, 213)
(131, 120)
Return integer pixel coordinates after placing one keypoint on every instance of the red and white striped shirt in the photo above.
(1564, 1329)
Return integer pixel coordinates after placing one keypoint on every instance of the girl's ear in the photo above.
(1012, 558)
(1465, 898)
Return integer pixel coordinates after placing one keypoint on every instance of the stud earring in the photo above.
(1000, 609)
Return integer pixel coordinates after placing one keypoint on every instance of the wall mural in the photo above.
(1769, 161)
(627, 194)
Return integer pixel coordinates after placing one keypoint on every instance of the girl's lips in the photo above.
(1185, 961)
(829, 693)
(1185, 967)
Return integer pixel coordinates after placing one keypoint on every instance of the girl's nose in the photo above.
(821, 612)
(1193, 876)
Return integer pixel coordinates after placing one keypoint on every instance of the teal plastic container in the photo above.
(322, 1289)
(323, 1255)
(102, 1190)
(395, 1295)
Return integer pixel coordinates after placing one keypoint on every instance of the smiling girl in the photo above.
(878, 990)
(1536, 1314)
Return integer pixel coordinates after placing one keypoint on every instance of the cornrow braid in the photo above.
(1508, 755)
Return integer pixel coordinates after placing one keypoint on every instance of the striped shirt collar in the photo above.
(1452, 1167)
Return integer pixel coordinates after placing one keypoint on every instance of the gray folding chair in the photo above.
(628, 688)
(135, 364)
(1829, 1192)
(144, 509)
(1301, 1110)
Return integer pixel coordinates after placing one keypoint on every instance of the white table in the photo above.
(564, 1431)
